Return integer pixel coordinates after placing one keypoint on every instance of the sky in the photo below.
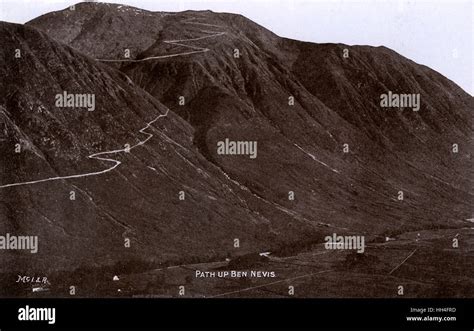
(436, 33)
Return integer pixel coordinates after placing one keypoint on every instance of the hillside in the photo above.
(137, 199)
(314, 113)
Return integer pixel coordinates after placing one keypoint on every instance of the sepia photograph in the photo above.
(278, 150)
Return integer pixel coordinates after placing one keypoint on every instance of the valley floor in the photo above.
(420, 264)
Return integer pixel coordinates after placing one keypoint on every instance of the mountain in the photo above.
(337, 101)
(138, 199)
(313, 110)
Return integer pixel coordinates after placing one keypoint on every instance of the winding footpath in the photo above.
(97, 156)
(178, 42)
(116, 163)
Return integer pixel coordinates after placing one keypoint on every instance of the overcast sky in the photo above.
(436, 33)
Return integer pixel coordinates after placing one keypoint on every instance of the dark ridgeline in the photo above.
(244, 98)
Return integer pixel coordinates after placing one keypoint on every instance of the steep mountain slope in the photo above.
(117, 195)
(300, 147)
